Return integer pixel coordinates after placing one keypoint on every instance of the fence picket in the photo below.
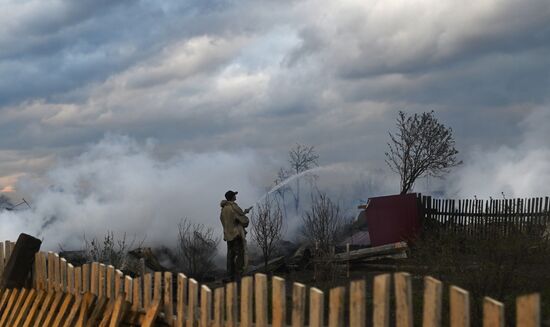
(278, 302)
(168, 298)
(403, 299)
(231, 304)
(206, 306)
(136, 294)
(493, 313)
(70, 279)
(147, 288)
(358, 306)
(62, 274)
(51, 271)
(528, 310)
(260, 294)
(218, 307)
(86, 278)
(181, 296)
(193, 298)
(432, 302)
(381, 301)
(336, 310)
(246, 301)
(459, 307)
(110, 281)
(102, 280)
(119, 282)
(94, 278)
(127, 289)
(42, 270)
(316, 308)
(298, 304)
(157, 289)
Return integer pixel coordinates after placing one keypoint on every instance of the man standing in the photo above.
(234, 221)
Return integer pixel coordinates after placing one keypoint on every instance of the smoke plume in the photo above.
(520, 170)
(119, 185)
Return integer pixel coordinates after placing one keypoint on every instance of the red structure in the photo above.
(393, 218)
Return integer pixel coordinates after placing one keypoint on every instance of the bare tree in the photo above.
(111, 250)
(196, 245)
(323, 222)
(282, 175)
(422, 146)
(301, 158)
(267, 227)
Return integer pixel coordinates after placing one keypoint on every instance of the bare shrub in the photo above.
(110, 250)
(267, 226)
(323, 222)
(197, 247)
(322, 226)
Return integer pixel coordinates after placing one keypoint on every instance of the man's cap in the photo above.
(230, 194)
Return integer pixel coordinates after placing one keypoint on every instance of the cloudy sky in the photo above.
(254, 77)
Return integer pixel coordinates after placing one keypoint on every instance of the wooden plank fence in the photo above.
(491, 217)
(98, 295)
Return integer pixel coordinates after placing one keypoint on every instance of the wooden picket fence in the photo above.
(99, 295)
(484, 218)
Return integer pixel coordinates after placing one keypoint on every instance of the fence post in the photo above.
(381, 301)
(433, 290)
(528, 310)
(358, 306)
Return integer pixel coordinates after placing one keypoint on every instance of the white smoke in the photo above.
(119, 185)
(522, 170)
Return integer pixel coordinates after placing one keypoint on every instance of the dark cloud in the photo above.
(263, 75)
